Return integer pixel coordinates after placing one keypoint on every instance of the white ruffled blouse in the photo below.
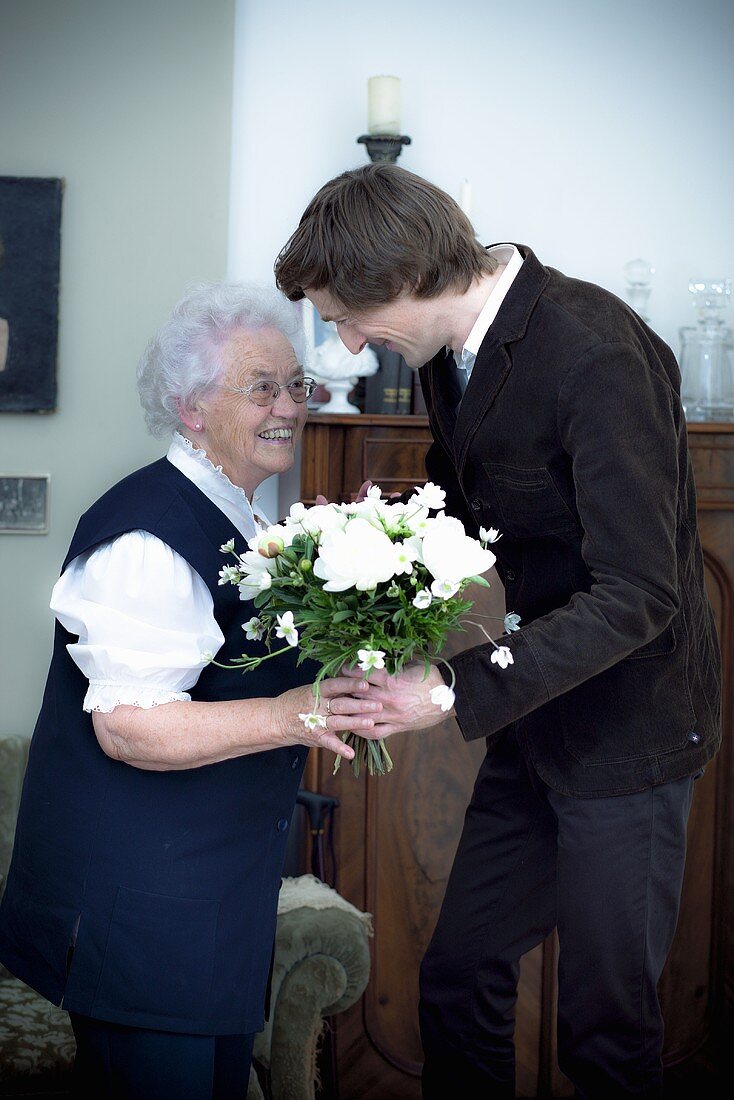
(142, 614)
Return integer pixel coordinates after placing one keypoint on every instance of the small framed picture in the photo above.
(24, 504)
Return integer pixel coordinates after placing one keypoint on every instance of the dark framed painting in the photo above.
(30, 247)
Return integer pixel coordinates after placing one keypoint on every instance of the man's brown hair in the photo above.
(374, 232)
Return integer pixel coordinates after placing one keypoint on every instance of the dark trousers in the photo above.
(127, 1063)
(607, 873)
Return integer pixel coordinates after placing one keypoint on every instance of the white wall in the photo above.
(129, 102)
(595, 131)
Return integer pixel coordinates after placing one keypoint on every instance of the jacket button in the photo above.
(694, 738)
(510, 574)
(282, 824)
(295, 762)
(476, 505)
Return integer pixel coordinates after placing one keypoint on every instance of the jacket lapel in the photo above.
(494, 360)
(443, 396)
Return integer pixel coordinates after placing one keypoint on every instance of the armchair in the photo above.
(321, 966)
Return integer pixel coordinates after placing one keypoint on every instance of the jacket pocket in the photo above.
(665, 643)
(159, 958)
(632, 711)
(527, 502)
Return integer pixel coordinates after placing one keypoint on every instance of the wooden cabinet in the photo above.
(395, 836)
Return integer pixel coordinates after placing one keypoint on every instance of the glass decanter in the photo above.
(707, 354)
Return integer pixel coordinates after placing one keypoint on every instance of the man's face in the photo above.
(411, 326)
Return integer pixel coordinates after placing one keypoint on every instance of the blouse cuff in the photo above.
(104, 695)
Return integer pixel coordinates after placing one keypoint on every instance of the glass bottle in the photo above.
(707, 354)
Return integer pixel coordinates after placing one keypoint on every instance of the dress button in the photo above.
(510, 574)
(282, 824)
(295, 762)
(694, 738)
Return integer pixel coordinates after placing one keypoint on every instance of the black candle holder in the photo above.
(384, 147)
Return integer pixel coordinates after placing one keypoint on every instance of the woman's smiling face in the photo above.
(249, 441)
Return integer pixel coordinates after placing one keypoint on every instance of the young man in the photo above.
(556, 418)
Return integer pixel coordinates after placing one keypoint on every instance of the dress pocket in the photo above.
(159, 958)
(527, 502)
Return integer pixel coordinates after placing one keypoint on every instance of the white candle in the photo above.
(383, 105)
(465, 197)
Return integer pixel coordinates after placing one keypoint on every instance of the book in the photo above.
(419, 401)
(390, 370)
(373, 386)
(405, 389)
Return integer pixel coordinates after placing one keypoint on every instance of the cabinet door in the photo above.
(395, 835)
(338, 453)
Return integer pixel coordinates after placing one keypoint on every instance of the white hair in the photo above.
(182, 361)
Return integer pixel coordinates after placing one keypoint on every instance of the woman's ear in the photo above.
(190, 417)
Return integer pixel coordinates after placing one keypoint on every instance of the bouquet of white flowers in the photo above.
(374, 584)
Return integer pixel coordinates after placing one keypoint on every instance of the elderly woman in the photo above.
(151, 835)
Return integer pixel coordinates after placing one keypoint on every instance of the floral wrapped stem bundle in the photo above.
(372, 584)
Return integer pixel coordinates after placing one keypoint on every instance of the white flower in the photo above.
(230, 574)
(270, 546)
(374, 492)
(254, 583)
(449, 553)
(371, 658)
(443, 696)
(315, 521)
(511, 622)
(444, 590)
(206, 656)
(278, 531)
(358, 557)
(227, 547)
(502, 657)
(490, 535)
(286, 628)
(423, 598)
(429, 496)
(406, 553)
(313, 721)
(417, 519)
(254, 629)
(381, 514)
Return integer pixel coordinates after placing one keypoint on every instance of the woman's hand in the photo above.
(344, 705)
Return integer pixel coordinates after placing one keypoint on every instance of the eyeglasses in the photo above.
(265, 393)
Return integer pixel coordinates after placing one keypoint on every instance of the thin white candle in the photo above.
(383, 105)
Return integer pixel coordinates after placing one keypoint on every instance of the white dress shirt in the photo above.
(142, 614)
(503, 254)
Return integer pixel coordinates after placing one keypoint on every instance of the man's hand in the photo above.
(321, 499)
(405, 699)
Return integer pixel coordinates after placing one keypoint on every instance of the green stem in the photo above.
(258, 660)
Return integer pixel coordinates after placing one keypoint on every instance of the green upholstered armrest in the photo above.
(321, 967)
(13, 757)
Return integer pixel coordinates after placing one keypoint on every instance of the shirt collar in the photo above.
(214, 484)
(504, 254)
